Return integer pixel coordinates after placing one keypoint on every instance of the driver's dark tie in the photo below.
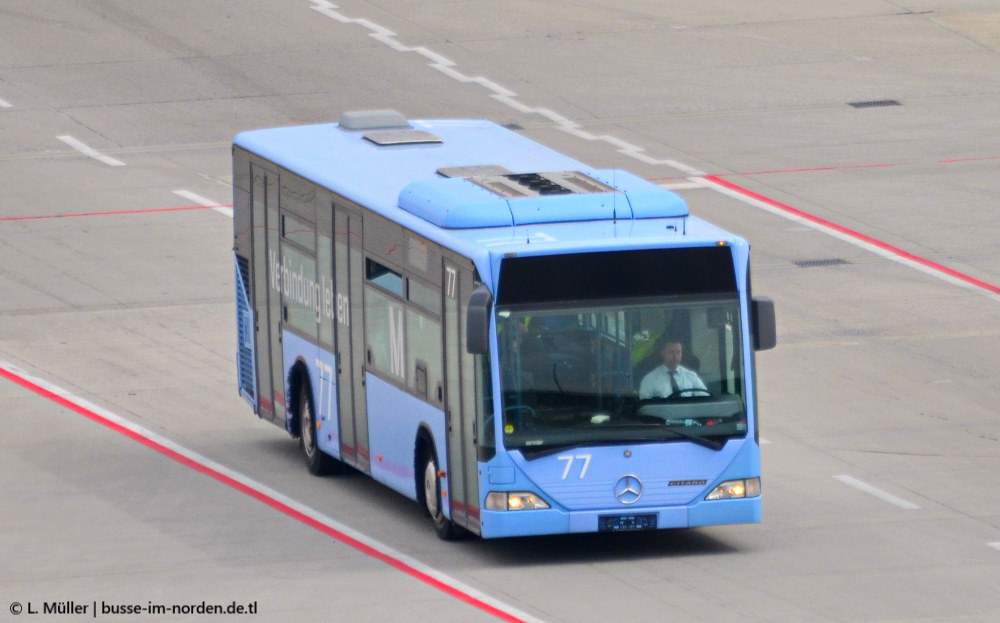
(674, 387)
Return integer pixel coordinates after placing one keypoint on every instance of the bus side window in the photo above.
(384, 277)
(423, 354)
(385, 334)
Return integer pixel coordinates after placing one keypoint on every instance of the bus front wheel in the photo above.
(432, 499)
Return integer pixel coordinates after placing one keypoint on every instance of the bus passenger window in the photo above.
(384, 277)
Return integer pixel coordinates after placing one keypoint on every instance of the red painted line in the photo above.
(110, 213)
(262, 497)
(846, 231)
(872, 165)
(956, 160)
(836, 167)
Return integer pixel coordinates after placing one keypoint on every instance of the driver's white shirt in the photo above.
(656, 384)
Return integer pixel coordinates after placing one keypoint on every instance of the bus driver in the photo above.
(671, 378)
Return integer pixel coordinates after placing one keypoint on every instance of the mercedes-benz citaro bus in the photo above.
(520, 343)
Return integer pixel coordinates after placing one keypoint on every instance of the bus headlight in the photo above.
(745, 488)
(514, 501)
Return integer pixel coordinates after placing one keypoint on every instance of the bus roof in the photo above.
(476, 186)
(458, 173)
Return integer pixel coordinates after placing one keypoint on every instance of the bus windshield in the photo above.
(649, 370)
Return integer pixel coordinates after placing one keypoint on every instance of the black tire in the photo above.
(443, 526)
(318, 462)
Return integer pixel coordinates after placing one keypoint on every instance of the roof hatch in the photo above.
(373, 120)
(385, 128)
(387, 138)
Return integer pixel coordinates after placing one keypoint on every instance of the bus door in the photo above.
(266, 302)
(349, 269)
(460, 396)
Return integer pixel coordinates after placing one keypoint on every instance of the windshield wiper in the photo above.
(707, 442)
(531, 453)
(536, 452)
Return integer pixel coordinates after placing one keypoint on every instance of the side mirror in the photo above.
(765, 333)
(477, 322)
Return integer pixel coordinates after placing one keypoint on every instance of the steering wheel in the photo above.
(680, 392)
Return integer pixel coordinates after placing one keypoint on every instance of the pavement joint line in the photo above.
(278, 501)
(221, 208)
(861, 485)
(44, 217)
(89, 151)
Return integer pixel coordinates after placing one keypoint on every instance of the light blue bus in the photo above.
(489, 327)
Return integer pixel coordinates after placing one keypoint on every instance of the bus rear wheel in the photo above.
(443, 526)
(318, 462)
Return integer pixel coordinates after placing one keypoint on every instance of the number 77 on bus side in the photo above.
(519, 342)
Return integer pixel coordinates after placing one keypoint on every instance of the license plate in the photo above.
(626, 523)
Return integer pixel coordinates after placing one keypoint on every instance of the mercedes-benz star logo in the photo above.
(628, 489)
